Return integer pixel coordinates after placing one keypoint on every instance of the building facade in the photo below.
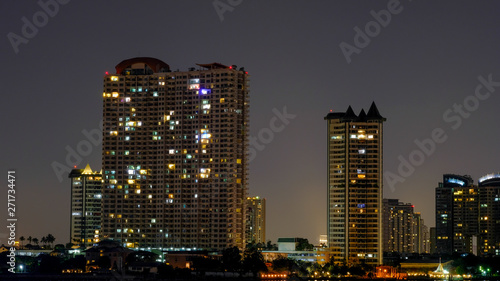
(175, 146)
(256, 220)
(404, 230)
(467, 215)
(355, 179)
(86, 198)
(456, 214)
(489, 215)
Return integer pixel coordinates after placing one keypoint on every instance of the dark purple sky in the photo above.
(425, 60)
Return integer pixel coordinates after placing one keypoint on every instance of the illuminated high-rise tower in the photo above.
(86, 197)
(355, 185)
(256, 220)
(174, 156)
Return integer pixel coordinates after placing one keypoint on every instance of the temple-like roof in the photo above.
(350, 116)
(373, 113)
(155, 64)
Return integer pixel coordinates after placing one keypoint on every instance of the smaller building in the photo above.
(256, 220)
(184, 259)
(423, 267)
(287, 248)
(386, 271)
(86, 196)
(107, 248)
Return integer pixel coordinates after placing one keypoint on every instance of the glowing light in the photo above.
(489, 177)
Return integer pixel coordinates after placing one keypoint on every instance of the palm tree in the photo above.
(44, 240)
(30, 239)
(50, 239)
(22, 240)
(35, 240)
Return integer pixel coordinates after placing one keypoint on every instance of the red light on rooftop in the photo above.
(231, 67)
(413, 206)
(107, 73)
(75, 166)
(246, 72)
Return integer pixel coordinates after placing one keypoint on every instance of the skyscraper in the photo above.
(489, 215)
(457, 206)
(256, 219)
(86, 197)
(175, 155)
(403, 228)
(355, 185)
(468, 215)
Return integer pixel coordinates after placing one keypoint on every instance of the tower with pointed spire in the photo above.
(355, 180)
(86, 196)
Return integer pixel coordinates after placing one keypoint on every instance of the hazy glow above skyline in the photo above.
(432, 70)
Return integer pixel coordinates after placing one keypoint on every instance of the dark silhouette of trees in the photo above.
(253, 261)
(231, 259)
(304, 245)
(50, 264)
(50, 239)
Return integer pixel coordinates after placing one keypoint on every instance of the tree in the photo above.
(303, 245)
(50, 239)
(22, 240)
(231, 259)
(30, 239)
(35, 240)
(270, 246)
(282, 264)
(77, 263)
(50, 264)
(44, 240)
(253, 261)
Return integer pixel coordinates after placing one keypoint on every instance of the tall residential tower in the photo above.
(355, 185)
(174, 156)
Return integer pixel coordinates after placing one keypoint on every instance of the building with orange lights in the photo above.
(354, 214)
(86, 198)
(175, 155)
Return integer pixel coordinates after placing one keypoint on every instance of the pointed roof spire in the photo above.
(349, 114)
(362, 116)
(373, 113)
(87, 170)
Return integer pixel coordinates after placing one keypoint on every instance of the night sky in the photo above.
(421, 66)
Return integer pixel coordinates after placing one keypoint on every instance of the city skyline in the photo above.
(422, 62)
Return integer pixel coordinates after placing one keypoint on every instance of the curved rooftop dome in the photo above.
(155, 64)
